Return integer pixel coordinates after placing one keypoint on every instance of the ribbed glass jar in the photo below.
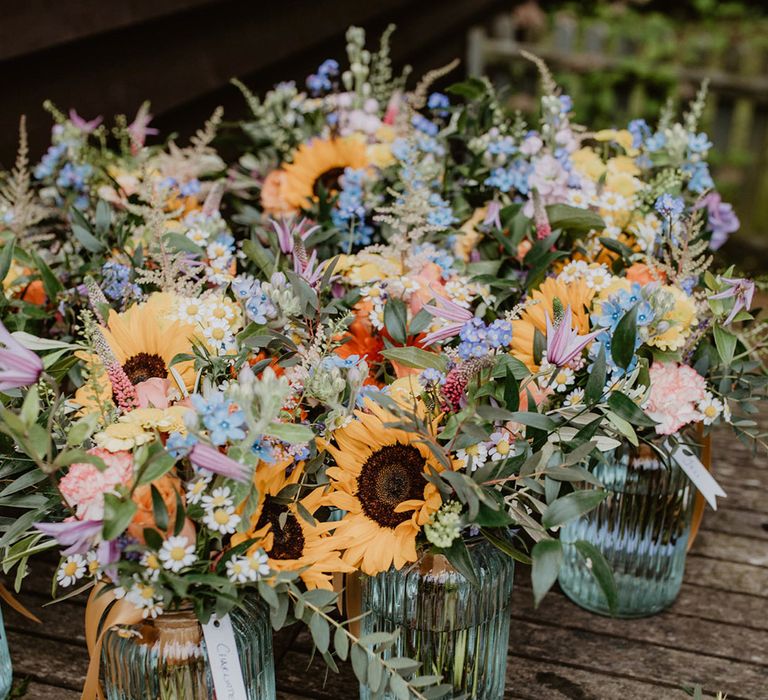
(454, 629)
(166, 658)
(642, 530)
(6, 670)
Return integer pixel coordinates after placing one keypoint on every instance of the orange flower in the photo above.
(271, 195)
(34, 293)
(169, 488)
(643, 274)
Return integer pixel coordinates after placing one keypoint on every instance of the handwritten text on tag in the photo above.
(224, 659)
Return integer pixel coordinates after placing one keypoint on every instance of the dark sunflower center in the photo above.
(391, 475)
(143, 366)
(288, 539)
(329, 180)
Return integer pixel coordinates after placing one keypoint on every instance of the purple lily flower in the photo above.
(84, 124)
(209, 458)
(310, 270)
(721, 218)
(492, 216)
(448, 311)
(18, 365)
(563, 341)
(287, 230)
(741, 290)
(78, 536)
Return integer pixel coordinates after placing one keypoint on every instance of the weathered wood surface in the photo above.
(715, 636)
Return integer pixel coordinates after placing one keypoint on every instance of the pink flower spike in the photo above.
(741, 290)
(209, 458)
(564, 342)
(139, 128)
(84, 124)
(18, 365)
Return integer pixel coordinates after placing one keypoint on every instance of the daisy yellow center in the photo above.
(198, 487)
(221, 516)
(219, 312)
(70, 568)
(217, 333)
(152, 562)
(503, 447)
(710, 411)
(193, 310)
(288, 537)
(143, 366)
(391, 475)
(147, 592)
(178, 553)
(562, 378)
(237, 568)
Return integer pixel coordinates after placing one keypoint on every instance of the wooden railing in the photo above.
(626, 66)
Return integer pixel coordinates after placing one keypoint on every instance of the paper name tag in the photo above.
(698, 474)
(224, 659)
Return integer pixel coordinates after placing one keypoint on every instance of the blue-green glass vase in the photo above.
(167, 659)
(642, 530)
(6, 670)
(456, 630)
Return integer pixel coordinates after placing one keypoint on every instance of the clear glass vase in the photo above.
(167, 659)
(454, 629)
(642, 530)
(6, 670)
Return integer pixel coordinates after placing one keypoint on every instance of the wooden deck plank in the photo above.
(726, 576)
(42, 691)
(48, 660)
(732, 548)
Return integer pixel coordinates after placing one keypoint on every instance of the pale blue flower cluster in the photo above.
(117, 283)
(258, 306)
(478, 340)
(511, 178)
(349, 212)
(321, 81)
(223, 419)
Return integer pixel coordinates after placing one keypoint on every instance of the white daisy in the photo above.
(151, 564)
(573, 271)
(217, 332)
(176, 554)
(239, 570)
(577, 198)
(198, 236)
(219, 498)
(711, 408)
(92, 561)
(598, 277)
(72, 569)
(196, 488)
(575, 398)
(563, 378)
(190, 311)
(223, 520)
(146, 597)
(502, 445)
(474, 456)
(259, 563)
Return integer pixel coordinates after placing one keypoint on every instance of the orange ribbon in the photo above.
(103, 612)
(700, 503)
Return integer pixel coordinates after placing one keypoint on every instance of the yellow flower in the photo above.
(588, 163)
(122, 436)
(622, 164)
(620, 136)
(319, 161)
(144, 341)
(682, 317)
(380, 155)
(379, 481)
(469, 235)
(165, 420)
(622, 183)
(289, 540)
(575, 294)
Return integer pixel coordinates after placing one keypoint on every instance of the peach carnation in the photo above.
(85, 484)
(676, 391)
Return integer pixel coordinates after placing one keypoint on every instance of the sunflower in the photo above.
(575, 294)
(379, 480)
(290, 541)
(321, 161)
(144, 341)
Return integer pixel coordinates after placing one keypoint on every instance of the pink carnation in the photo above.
(676, 391)
(84, 485)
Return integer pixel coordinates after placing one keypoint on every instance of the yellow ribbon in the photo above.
(103, 612)
(9, 598)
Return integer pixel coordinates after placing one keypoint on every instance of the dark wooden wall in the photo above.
(106, 57)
